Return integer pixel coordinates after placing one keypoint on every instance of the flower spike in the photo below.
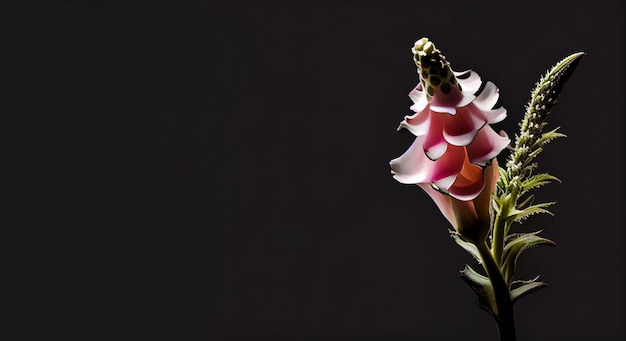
(531, 139)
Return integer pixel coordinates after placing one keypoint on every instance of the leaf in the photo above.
(503, 180)
(511, 237)
(536, 181)
(519, 215)
(514, 248)
(482, 289)
(467, 246)
(526, 201)
(549, 136)
(526, 289)
(521, 281)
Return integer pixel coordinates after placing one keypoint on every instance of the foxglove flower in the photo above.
(451, 123)
(453, 159)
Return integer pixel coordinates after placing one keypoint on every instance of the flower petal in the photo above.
(495, 116)
(418, 96)
(442, 201)
(449, 164)
(468, 80)
(467, 99)
(488, 97)
(487, 145)
(483, 200)
(491, 116)
(411, 167)
(469, 183)
(414, 167)
(445, 183)
(461, 128)
(418, 124)
(434, 143)
(447, 103)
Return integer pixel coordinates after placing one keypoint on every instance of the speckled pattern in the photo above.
(434, 69)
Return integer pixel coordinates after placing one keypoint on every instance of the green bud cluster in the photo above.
(434, 69)
(529, 143)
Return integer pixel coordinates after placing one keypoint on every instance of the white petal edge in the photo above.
(418, 96)
(409, 167)
(467, 138)
(447, 103)
(495, 116)
(436, 151)
(469, 83)
(496, 142)
(416, 129)
(445, 183)
(488, 97)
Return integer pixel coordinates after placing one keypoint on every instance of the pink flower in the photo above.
(454, 140)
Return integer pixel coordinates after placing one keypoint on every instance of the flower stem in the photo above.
(504, 315)
(497, 242)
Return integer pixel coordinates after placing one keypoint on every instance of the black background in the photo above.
(220, 171)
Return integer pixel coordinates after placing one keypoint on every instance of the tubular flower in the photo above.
(454, 140)
(470, 218)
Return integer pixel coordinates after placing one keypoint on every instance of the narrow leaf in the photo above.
(526, 289)
(482, 289)
(467, 246)
(503, 180)
(536, 181)
(520, 282)
(526, 201)
(511, 237)
(514, 249)
(549, 136)
(519, 215)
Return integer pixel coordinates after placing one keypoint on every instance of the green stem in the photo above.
(504, 315)
(499, 227)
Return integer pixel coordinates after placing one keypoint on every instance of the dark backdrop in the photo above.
(216, 172)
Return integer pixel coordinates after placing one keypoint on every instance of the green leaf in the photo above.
(482, 289)
(519, 215)
(467, 246)
(503, 180)
(514, 248)
(526, 289)
(549, 136)
(526, 201)
(536, 181)
(521, 281)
